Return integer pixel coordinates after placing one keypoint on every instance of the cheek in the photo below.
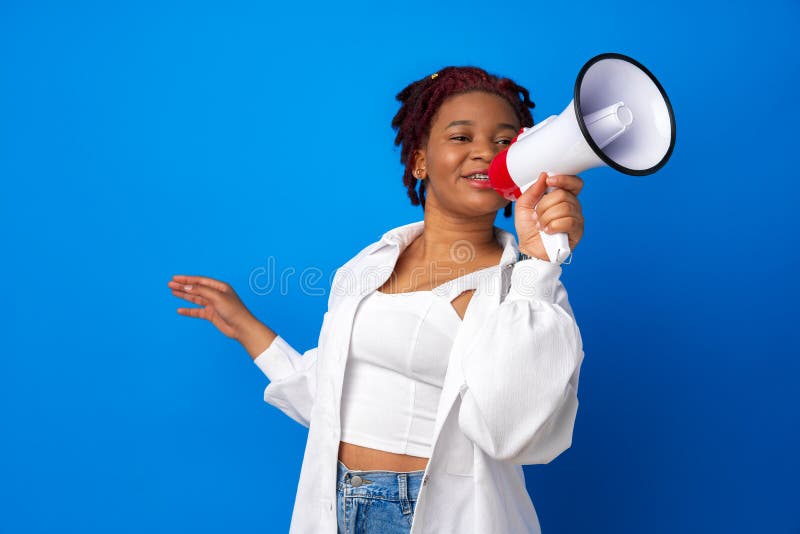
(446, 162)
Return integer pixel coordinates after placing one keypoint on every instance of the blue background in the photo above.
(140, 140)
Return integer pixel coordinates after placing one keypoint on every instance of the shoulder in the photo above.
(352, 271)
(363, 253)
(345, 278)
(401, 235)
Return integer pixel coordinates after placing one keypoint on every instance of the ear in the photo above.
(419, 164)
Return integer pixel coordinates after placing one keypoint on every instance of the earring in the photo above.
(419, 173)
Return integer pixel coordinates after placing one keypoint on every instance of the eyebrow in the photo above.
(502, 125)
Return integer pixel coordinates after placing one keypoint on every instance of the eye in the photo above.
(459, 138)
(504, 141)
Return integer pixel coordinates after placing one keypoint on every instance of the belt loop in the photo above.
(402, 480)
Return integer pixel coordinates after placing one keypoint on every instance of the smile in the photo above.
(479, 180)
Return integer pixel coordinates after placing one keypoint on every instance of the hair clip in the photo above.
(434, 75)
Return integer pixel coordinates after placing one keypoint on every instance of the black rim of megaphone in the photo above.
(597, 150)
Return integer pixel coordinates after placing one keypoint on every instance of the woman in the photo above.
(449, 356)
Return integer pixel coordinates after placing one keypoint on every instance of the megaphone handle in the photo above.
(556, 245)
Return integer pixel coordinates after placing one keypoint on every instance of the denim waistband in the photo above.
(389, 485)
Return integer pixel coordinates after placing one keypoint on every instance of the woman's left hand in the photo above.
(555, 212)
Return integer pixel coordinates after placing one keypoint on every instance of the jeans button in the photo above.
(355, 481)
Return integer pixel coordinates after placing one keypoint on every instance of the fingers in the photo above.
(200, 280)
(562, 209)
(192, 286)
(197, 313)
(567, 225)
(553, 214)
(573, 184)
(564, 182)
(559, 196)
(194, 294)
(532, 196)
(194, 299)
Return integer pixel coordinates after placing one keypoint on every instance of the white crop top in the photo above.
(395, 370)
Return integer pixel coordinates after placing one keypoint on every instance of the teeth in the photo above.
(478, 176)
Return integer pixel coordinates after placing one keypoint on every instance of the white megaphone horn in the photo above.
(620, 117)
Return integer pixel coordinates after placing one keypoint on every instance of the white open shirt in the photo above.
(509, 396)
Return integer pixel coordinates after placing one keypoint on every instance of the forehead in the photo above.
(476, 107)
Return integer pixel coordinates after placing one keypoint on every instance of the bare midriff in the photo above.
(360, 458)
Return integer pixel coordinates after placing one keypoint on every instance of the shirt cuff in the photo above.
(275, 361)
(534, 279)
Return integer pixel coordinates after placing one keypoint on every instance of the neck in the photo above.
(452, 238)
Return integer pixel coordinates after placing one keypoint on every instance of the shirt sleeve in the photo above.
(293, 379)
(519, 397)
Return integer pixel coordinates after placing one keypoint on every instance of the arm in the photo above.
(293, 379)
(256, 338)
(519, 397)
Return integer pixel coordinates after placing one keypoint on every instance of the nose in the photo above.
(484, 149)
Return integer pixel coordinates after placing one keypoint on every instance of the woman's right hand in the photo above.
(220, 304)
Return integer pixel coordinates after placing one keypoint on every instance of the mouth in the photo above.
(479, 180)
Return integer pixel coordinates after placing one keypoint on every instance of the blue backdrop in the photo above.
(144, 139)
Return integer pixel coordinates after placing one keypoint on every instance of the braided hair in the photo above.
(420, 101)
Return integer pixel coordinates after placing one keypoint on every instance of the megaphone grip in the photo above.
(556, 245)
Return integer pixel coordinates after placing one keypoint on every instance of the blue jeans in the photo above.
(379, 502)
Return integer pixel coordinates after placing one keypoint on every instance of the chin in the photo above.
(482, 208)
(485, 203)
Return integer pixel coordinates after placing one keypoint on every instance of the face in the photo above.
(467, 132)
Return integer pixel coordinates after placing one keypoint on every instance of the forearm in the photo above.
(256, 337)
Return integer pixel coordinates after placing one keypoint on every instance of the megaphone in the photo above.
(619, 117)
